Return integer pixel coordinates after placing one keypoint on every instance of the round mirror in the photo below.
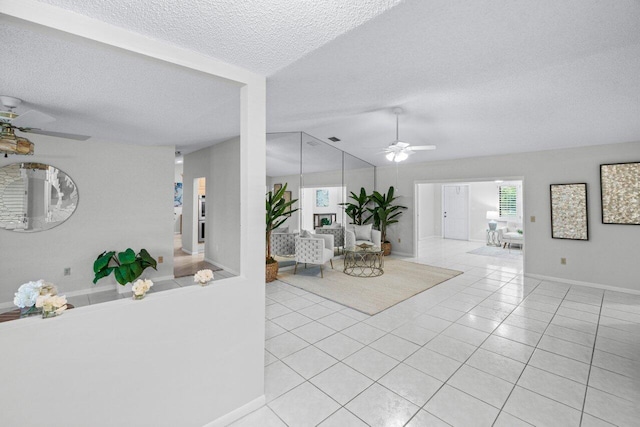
(35, 197)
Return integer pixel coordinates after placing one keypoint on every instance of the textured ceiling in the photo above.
(475, 77)
(260, 35)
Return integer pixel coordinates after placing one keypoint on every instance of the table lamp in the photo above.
(492, 216)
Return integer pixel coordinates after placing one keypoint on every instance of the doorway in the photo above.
(468, 206)
(455, 212)
(188, 259)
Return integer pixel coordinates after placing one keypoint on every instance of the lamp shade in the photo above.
(493, 215)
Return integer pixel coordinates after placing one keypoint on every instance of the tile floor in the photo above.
(487, 348)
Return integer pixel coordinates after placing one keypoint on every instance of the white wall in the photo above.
(121, 204)
(608, 258)
(218, 165)
(426, 212)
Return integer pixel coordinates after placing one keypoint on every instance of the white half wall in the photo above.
(122, 203)
(184, 357)
(608, 258)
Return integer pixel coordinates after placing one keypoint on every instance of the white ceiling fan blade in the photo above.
(57, 134)
(399, 144)
(32, 118)
(421, 147)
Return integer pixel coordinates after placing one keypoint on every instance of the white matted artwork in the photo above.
(322, 198)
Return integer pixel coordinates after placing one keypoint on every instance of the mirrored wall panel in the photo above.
(320, 176)
(35, 197)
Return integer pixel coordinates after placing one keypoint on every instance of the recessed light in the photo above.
(498, 181)
(334, 139)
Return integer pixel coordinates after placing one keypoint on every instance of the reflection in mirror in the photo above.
(35, 197)
(358, 174)
(322, 190)
(318, 174)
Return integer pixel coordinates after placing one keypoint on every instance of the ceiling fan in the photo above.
(398, 150)
(10, 143)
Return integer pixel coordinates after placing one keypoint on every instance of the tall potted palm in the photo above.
(385, 213)
(357, 211)
(278, 211)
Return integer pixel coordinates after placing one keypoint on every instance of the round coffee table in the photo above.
(363, 261)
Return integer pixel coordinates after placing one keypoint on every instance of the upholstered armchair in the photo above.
(509, 235)
(336, 231)
(359, 234)
(282, 242)
(316, 249)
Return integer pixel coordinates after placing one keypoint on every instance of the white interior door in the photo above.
(455, 212)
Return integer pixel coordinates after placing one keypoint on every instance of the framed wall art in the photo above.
(569, 211)
(620, 192)
(177, 194)
(276, 187)
(322, 198)
(287, 198)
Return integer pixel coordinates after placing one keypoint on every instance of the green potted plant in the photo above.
(357, 210)
(385, 213)
(126, 266)
(278, 211)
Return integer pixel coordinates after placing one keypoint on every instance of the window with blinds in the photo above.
(508, 195)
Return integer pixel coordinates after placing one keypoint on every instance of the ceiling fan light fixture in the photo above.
(401, 156)
(390, 156)
(12, 144)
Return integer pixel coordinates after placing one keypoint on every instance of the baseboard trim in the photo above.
(581, 283)
(401, 254)
(225, 268)
(238, 413)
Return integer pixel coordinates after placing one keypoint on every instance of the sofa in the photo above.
(509, 235)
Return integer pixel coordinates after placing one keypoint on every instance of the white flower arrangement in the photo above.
(29, 292)
(52, 303)
(203, 276)
(140, 286)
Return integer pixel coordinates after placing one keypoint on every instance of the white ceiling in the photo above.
(474, 77)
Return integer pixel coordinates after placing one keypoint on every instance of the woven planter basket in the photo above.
(271, 272)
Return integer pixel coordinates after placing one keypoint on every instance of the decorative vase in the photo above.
(47, 314)
(140, 296)
(30, 311)
(271, 272)
(204, 283)
(386, 248)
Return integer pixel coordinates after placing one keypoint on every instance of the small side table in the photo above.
(493, 238)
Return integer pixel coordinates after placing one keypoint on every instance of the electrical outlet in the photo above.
(563, 261)
(533, 218)
(160, 259)
(67, 271)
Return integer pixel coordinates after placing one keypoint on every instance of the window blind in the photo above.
(508, 195)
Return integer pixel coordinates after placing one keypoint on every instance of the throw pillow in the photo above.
(363, 232)
(305, 234)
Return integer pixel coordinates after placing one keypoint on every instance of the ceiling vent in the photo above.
(313, 143)
(334, 139)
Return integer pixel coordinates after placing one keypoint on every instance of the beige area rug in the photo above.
(371, 295)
